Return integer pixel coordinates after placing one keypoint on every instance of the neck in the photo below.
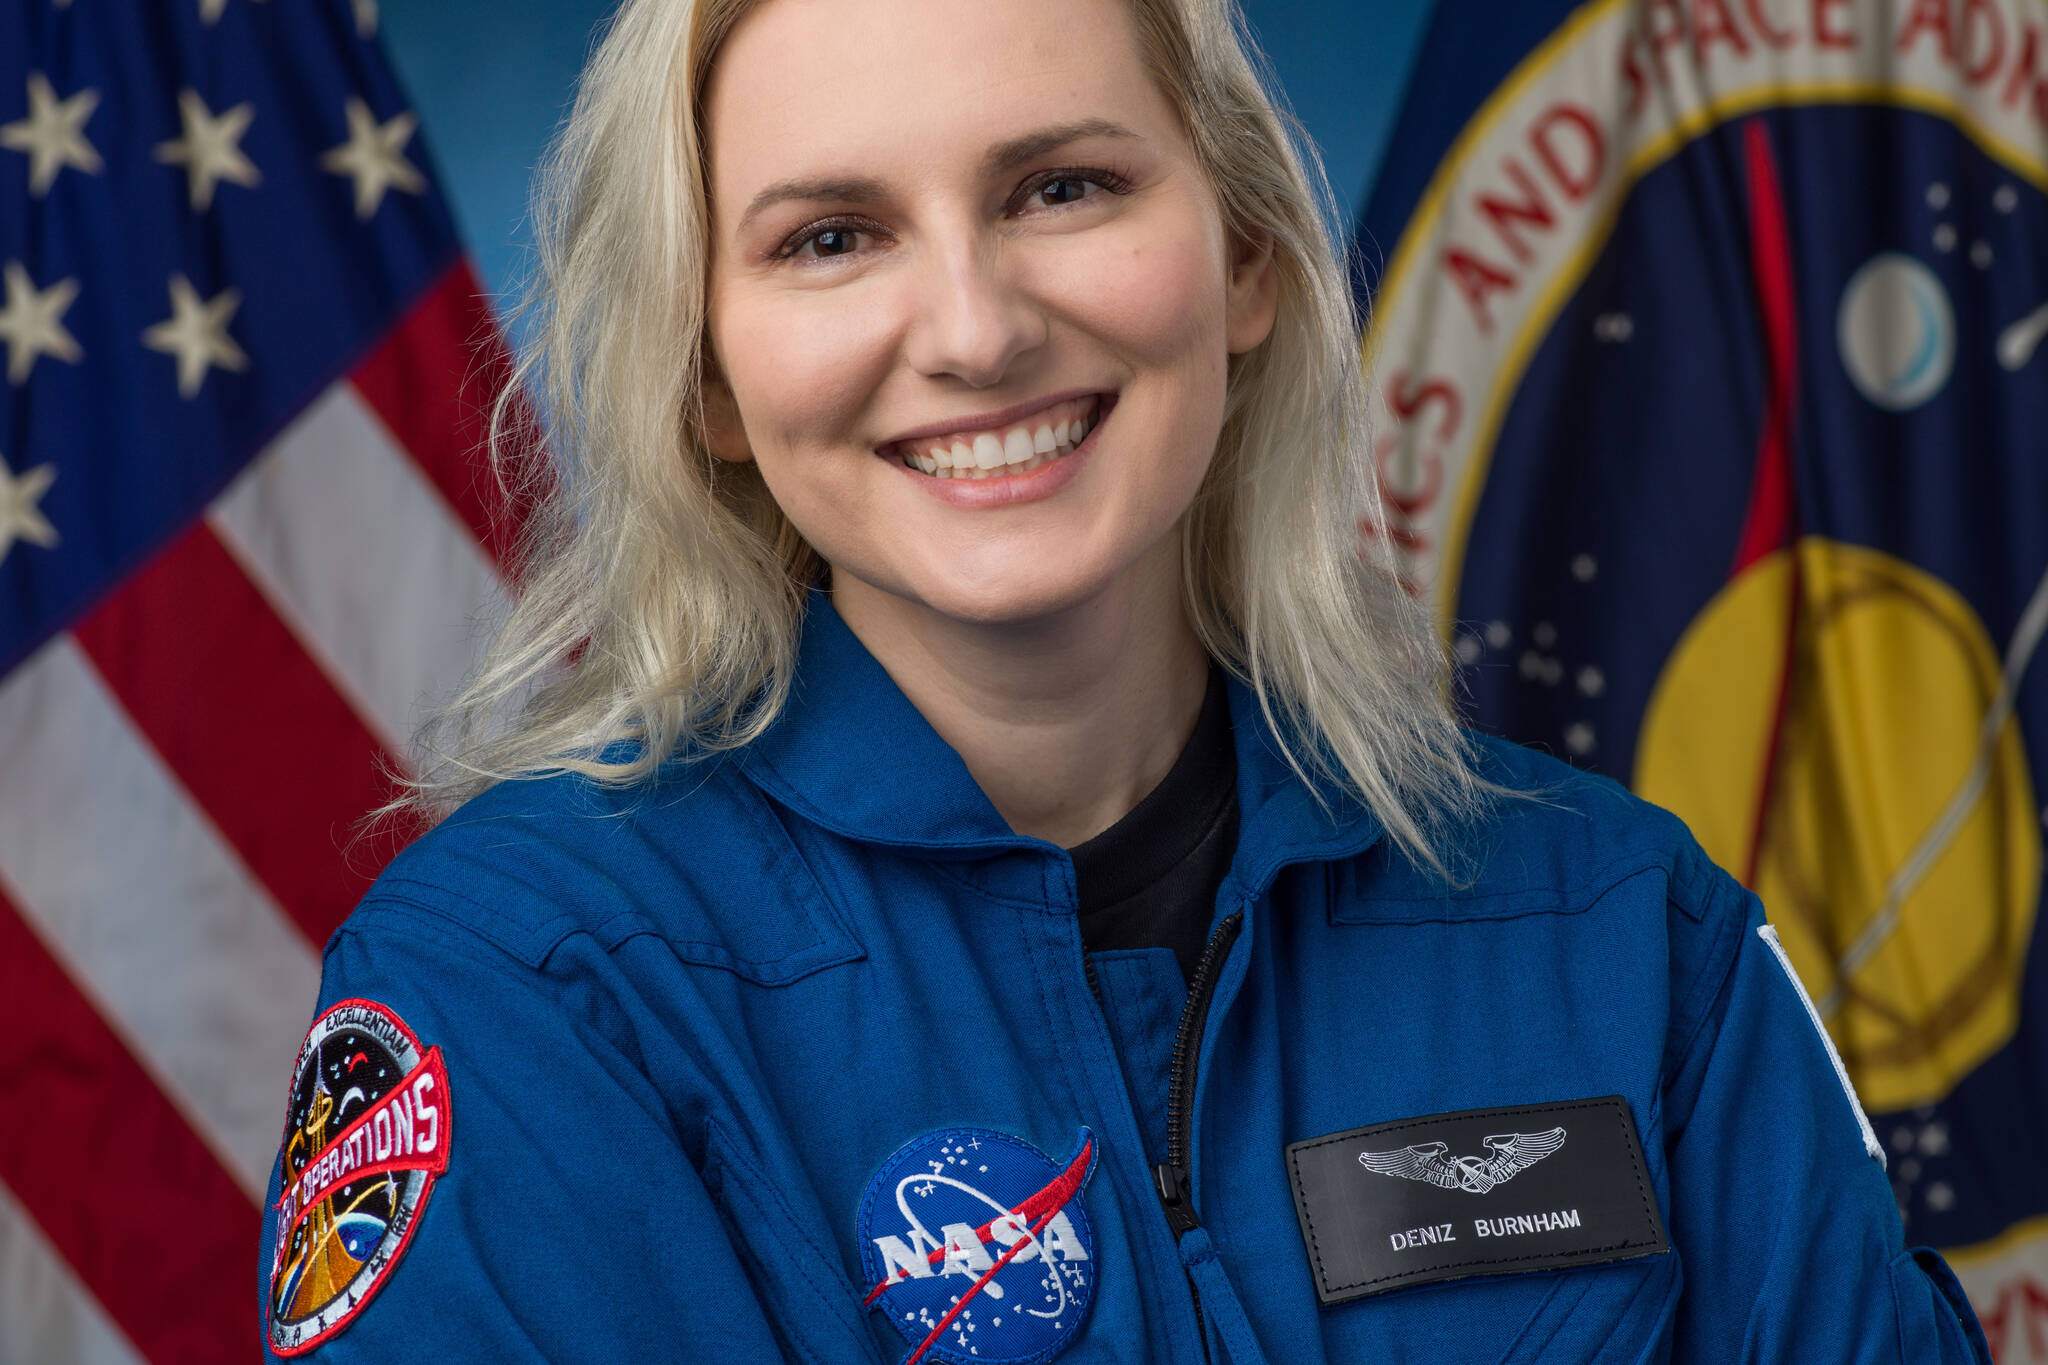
(1066, 722)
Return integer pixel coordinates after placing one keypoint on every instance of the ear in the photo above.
(1254, 294)
(724, 433)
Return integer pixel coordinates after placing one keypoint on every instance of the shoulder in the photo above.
(1589, 871)
(534, 862)
(1564, 842)
(1558, 833)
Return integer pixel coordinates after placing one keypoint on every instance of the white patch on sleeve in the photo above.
(1870, 1143)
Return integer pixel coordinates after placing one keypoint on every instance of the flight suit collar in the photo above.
(850, 753)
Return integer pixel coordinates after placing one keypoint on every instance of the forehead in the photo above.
(812, 85)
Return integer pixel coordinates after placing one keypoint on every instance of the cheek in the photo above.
(803, 365)
(1159, 299)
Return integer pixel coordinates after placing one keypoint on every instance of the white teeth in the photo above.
(1011, 450)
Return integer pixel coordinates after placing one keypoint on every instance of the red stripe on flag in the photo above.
(151, 1244)
(432, 380)
(249, 723)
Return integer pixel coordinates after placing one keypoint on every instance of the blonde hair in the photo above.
(663, 589)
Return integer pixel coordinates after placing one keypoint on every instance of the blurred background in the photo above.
(1711, 416)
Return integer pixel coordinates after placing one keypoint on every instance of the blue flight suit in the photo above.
(684, 1030)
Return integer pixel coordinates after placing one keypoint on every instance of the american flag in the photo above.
(244, 536)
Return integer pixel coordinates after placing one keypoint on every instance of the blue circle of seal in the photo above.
(976, 1248)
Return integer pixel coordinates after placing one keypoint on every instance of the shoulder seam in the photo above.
(386, 895)
(1727, 947)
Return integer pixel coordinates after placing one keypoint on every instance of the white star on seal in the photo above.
(210, 151)
(20, 518)
(197, 334)
(371, 156)
(32, 323)
(53, 134)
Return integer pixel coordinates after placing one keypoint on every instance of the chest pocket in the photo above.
(1380, 889)
(798, 1278)
(1592, 1315)
(1618, 1312)
(755, 909)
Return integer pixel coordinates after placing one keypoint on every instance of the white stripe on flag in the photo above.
(161, 925)
(361, 555)
(49, 1315)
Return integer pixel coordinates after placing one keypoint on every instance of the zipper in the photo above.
(1171, 1176)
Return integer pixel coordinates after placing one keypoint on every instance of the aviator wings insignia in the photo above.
(1513, 1153)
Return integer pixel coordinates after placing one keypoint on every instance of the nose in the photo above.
(971, 319)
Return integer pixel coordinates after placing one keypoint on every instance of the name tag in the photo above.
(1483, 1192)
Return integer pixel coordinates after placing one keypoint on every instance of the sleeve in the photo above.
(567, 1223)
(1781, 1210)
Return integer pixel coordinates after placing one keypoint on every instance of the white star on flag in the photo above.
(53, 134)
(371, 156)
(197, 334)
(366, 18)
(210, 151)
(32, 323)
(211, 10)
(20, 518)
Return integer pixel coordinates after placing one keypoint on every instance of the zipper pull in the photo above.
(1172, 1183)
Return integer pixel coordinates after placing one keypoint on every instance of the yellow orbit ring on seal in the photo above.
(1890, 678)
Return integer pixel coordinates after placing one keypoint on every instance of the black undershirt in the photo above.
(1150, 879)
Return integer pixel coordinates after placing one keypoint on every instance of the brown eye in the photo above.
(824, 240)
(833, 242)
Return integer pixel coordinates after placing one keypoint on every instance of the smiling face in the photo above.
(951, 243)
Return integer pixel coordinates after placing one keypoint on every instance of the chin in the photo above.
(1003, 599)
(1007, 603)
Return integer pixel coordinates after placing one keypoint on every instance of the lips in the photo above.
(1007, 443)
(1016, 449)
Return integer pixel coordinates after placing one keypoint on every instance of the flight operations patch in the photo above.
(366, 1137)
(977, 1247)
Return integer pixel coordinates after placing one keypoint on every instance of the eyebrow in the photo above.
(1001, 157)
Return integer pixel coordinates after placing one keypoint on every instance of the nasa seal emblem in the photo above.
(977, 1248)
(366, 1137)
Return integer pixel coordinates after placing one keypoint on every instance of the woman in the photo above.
(978, 867)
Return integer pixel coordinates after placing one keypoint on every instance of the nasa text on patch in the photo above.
(977, 1247)
(1483, 1192)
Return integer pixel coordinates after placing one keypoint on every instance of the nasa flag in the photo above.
(1709, 344)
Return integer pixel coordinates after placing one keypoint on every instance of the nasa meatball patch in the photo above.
(366, 1137)
(977, 1247)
